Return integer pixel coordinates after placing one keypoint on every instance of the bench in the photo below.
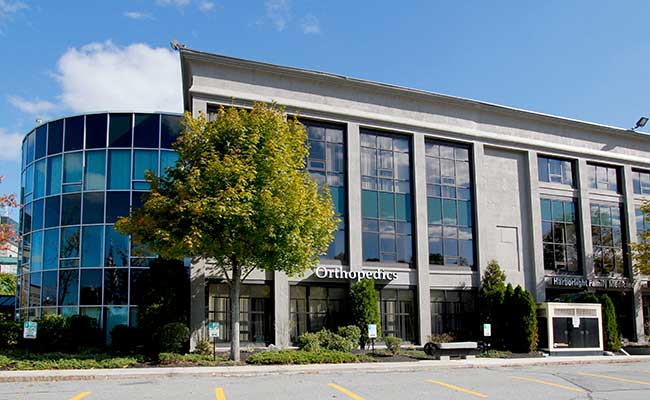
(451, 349)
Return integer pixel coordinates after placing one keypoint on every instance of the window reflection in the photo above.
(116, 248)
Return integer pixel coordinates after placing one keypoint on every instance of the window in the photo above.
(51, 249)
(313, 308)
(96, 131)
(119, 169)
(70, 242)
(68, 287)
(138, 285)
(41, 140)
(398, 315)
(52, 209)
(116, 248)
(454, 312)
(117, 205)
(49, 294)
(27, 218)
(386, 198)
(116, 286)
(145, 133)
(167, 160)
(37, 214)
(119, 131)
(560, 236)
(170, 129)
(114, 316)
(326, 163)
(607, 238)
(449, 204)
(642, 223)
(93, 207)
(72, 163)
(53, 181)
(37, 251)
(91, 248)
(95, 169)
(74, 133)
(35, 284)
(71, 209)
(29, 183)
(255, 312)
(55, 137)
(39, 179)
(143, 161)
(603, 177)
(641, 182)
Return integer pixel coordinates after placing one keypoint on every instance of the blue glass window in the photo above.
(51, 250)
(603, 177)
(37, 218)
(139, 198)
(27, 218)
(642, 223)
(93, 208)
(136, 286)
(35, 289)
(114, 316)
(96, 131)
(555, 170)
(560, 236)
(41, 141)
(29, 183)
(607, 238)
(119, 130)
(68, 287)
(74, 133)
(55, 137)
(53, 182)
(116, 248)
(70, 242)
(95, 169)
(146, 130)
(116, 288)
(167, 160)
(117, 205)
(641, 182)
(72, 169)
(52, 209)
(30, 148)
(90, 290)
(39, 179)
(49, 293)
(37, 251)
(144, 160)
(170, 129)
(91, 250)
(71, 209)
(119, 169)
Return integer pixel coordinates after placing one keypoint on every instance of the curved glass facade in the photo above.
(79, 175)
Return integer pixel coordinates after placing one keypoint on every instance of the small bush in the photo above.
(441, 338)
(301, 357)
(309, 342)
(646, 328)
(51, 335)
(83, 332)
(10, 332)
(495, 354)
(193, 359)
(351, 333)
(123, 338)
(331, 341)
(174, 337)
(611, 334)
(393, 344)
(204, 347)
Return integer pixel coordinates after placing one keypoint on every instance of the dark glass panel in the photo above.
(167, 160)
(369, 204)
(55, 137)
(52, 209)
(71, 209)
(170, 129)
(37, 251)
(146, 129)
(96, 131)
(90, 291)
(37, 214)
(70, 242)
(54, 175)
(39, 179)
(117, 205)
(30, 148)
(91, 249)
(370, 246)
(41, 142)
(139, 198)
(51, 249)
(68, 287)
(386, 205)
(74, 133)
(116, 283)
(119, 131)
(93, 208)
(35, 284)
(72, 167)
(119, 169)
(116, 248)
(137, 286)
(95, 168)
(49, 288)
(27, 218)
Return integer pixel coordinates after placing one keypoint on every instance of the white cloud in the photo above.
(137, 15)
(31, 107)
(206, 6)
(178, 3)
(310, 24)
(279, 12)
(11, 7)
(104, 76)
(11, 143)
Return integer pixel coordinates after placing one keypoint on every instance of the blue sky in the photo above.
(579, 59)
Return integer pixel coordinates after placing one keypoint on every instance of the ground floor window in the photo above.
(313, 308)
(255, 312)
(646, 314)
(454, 312)
(398, 314)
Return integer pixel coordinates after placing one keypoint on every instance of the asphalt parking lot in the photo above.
(559, 382)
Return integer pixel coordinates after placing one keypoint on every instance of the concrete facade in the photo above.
(505, 145)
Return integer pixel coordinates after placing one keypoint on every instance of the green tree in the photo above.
(364, 301)
(7, 284)
(641, 250)
(7, 231)
(524, 335)
(611, 334)
(240, 198)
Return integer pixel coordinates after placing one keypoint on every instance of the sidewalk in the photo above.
(251, 370)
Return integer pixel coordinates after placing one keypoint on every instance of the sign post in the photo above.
(213, 332)
(372, 335)
(30, 329)
(487, 333)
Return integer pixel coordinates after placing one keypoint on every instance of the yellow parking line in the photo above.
(548, 383)
(345, 391)
(80, 396)
(615, 378)
(460, 389)
(218, 392)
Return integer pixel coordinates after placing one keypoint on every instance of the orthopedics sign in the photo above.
(380, 274)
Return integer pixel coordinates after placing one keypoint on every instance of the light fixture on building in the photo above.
(640, 123)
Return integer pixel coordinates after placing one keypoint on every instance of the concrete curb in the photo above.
(243, 371)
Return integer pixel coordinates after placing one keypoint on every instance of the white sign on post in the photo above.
(487, 330)
(30, 329)
(372, 331)
(575, 321)
(213, 330)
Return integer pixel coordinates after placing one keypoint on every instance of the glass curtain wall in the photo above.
(398, 313)
(313, 308)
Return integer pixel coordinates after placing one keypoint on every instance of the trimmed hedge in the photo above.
(194, 359)
(302, 357)
(393, 344)
(30, 361)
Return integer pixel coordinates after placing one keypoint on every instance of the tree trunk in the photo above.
(235, 289)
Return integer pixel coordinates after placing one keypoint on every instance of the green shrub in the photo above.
(331, 341)
(393, 344)
(204, 347)
(491, 298)
(83, 332)
(351, 333)
(301, 357)
(611, 333)
(30, 361)
(51, 335)
(174, 337)
(525, 335)
(194, 359)
(124, 338)
(492, 353)
(309, 342)
(646, 328)
(10, 332)
(364, 301)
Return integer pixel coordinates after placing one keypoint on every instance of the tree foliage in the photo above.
(492, 293)
(7, 284)
(524, 334)
(240, 198)
(364, 301)
(611, 334)
(7, 231)
(641, 250)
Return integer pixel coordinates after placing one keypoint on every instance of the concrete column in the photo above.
(582, 176)
(354, 197)
(535, 273)
(281, 309)
(480, 205)
(421, 237)
(630, 231)
(198, 314)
